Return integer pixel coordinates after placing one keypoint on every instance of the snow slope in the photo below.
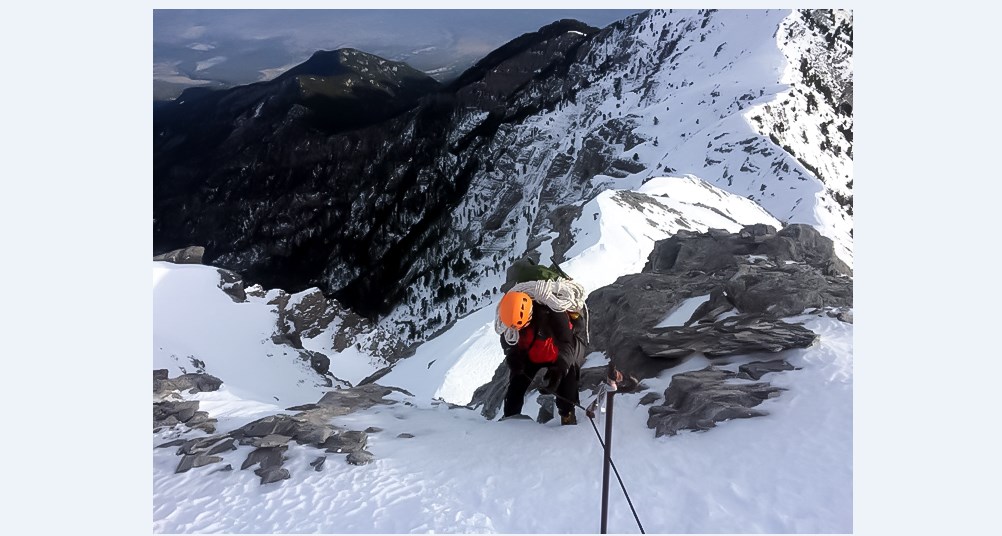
(788, 472)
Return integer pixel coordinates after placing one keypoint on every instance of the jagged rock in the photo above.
(373, 430)
(312, 434)
(193, 383)
(318, 361)
(232, 284)
(360, 457)
(547, 408)
(181, 411)
(188, 255)
(318, 464)
(173, 443)
(160, 374)
(272, 474)
(350, 441)
(189, 461)
(312, 313)
(649, 399)
(266, 456)
(845, 315)
(491, 394)
(699, 399)
(280, 424)
(405, 435)
(206, 445)
(756, 369)
(345, 401)
(758, 270)
(270, 441)
(740, 334)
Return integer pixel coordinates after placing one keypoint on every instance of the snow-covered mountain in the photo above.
(439, 466)
(413, 220)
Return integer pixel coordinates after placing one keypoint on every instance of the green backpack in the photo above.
(525, 270)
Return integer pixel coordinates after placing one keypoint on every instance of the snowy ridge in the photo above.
(616, 232)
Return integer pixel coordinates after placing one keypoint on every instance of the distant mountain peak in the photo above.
(348, 61)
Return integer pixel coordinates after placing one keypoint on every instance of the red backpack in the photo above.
(541, 351)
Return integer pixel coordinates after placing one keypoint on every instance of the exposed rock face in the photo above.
(271, 436)
(168, 414)
(192, 383)
(698, 400)
(188, 255)
(740, 334)
(232, 284)
(753, 279)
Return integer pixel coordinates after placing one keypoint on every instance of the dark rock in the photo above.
(312, 434)
(345, 401)
(272, 474)
(373, 430)
(740, 334)
(491, 394)
(547, 408)
(266, 456)
(311, 314)
(405, 435)
(270, 441)
(318, 361)
(304, 407)
(273, 424)
(649, 399)
(224, 468)
(173, 443)
(232, 284)
(845, 315)
(189, 461)
(360, 457)
(181, 411)
(350, 441)
(699, 399)
(193, 383)
(160, 374)
(318, 464)
(756, 271)
(756, 369)
(188, 255)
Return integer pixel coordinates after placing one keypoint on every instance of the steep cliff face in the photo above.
(413, 216)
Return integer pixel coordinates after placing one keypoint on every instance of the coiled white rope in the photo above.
(560, 295)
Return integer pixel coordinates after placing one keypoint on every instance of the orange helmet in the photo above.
(515, 310)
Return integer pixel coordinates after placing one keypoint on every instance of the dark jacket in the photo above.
(547, 323)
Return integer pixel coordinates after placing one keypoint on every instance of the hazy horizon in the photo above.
(220, 48)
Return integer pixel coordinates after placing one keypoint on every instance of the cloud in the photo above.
(201, 46)
(269, 74)
(194, 32)
(167, 72)
(209, 63)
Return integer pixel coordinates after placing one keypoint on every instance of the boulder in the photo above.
(350, 441)
(741, 334)
(189, 461)
(232, 284)
(756, 369)
(193, 383)
(360, 457)
(699, 399)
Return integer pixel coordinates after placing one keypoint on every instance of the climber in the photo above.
(545, 339)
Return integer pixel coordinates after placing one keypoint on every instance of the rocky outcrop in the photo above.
(167, 414)
(753, 279)
(192, 383)
(270, 437)
(699, 399)
(188, 255)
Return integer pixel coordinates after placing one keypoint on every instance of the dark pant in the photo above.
(567, 389)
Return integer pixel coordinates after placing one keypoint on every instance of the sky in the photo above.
(790, 471)
(240, 46)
